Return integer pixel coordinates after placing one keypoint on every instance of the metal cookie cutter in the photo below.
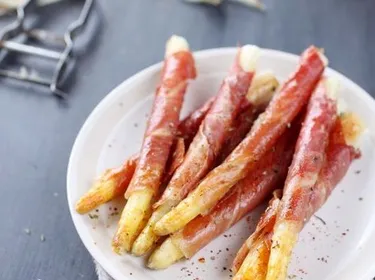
(18, 28)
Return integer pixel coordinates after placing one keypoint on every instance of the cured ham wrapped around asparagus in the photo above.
(252, 259)
(338, 159)
(244, 197)
(115, 181)
(179, 67)
(303, 173)
(214, 129)
(112, 183)
(258, 96)
(267, 129)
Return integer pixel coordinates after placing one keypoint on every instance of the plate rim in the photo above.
(93, 250)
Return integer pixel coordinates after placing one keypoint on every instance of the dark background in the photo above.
(37, 131)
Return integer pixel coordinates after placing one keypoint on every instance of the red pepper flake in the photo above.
(202, 260)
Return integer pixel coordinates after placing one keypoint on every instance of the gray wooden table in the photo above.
(37, 132)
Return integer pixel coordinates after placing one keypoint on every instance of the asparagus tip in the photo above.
(176, 44)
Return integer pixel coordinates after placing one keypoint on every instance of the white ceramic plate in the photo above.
(341, 248)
